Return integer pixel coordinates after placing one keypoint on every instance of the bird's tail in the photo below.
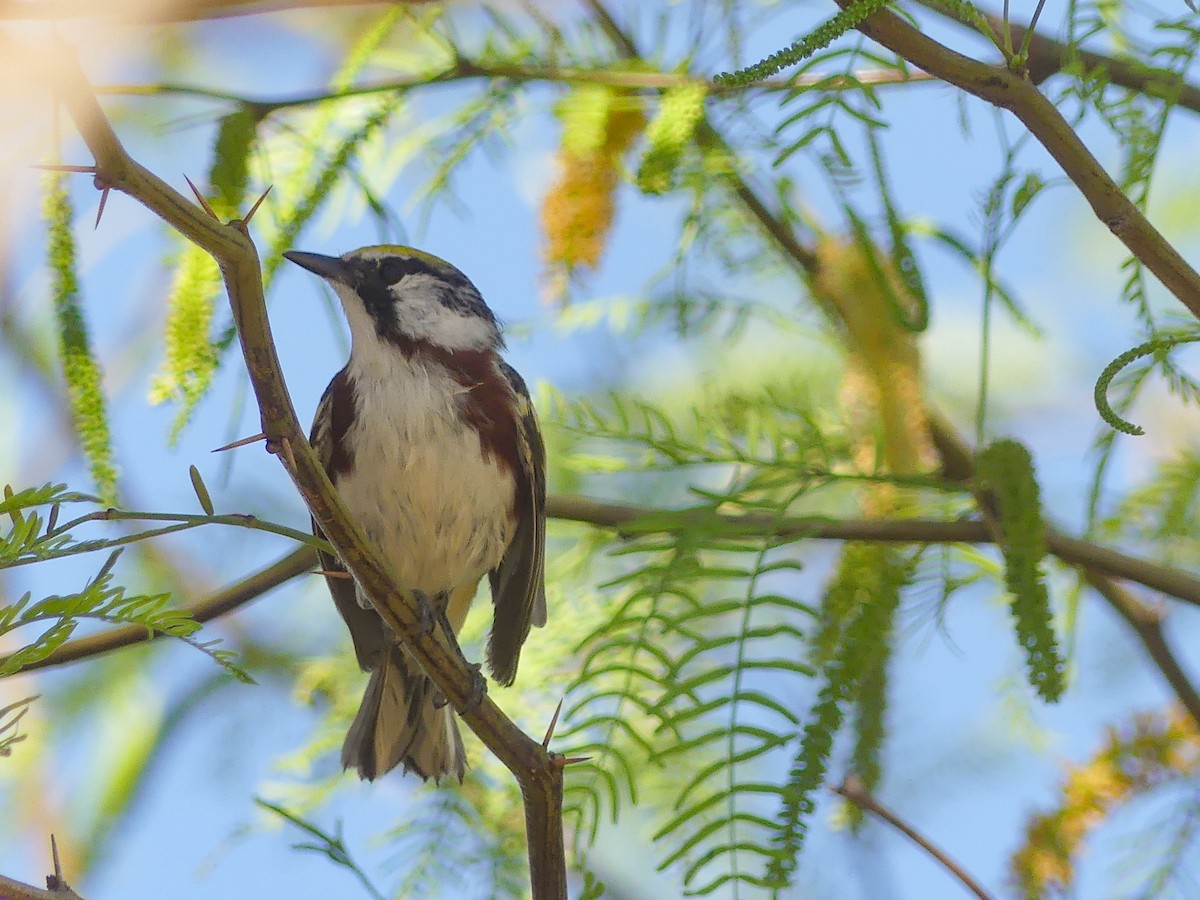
(400, 723)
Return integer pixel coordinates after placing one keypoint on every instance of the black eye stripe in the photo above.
(392, 270)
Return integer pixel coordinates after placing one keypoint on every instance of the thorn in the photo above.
(82, 170)
(103, 199)
(240, 443)
(287, 454)
(257, 203)
(58, 863)
(333, 573)
(199, 196)
(553, 723)
(562, 762)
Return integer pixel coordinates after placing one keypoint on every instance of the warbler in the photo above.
(431, 440)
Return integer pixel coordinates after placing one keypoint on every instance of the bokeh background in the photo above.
(146, 763)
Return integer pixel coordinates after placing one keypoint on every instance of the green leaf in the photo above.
(201, 490)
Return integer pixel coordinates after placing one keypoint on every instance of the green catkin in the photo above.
(803, 48)
(668, 134)
(81, 371)
(1007, 469)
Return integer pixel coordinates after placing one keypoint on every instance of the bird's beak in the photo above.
(332, 268)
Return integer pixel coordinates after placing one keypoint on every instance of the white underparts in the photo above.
(420, 487)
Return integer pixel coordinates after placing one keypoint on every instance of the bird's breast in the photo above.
(437, 505)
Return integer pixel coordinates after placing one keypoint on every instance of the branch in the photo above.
(465, 69)
(537, 771)
(1073, 551)
(1048, 56)
(1146, 622)
(155, 11)
(19, 890)
(778, 231)
(236, 595)
(182, 522)
(628, 520)
(855, 791)
(1009, 90)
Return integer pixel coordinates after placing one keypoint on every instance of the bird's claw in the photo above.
(478, 688)
(475, 694)
(427, 615)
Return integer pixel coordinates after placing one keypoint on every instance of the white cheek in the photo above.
(420, 314)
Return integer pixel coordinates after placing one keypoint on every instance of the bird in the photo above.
(432, 442)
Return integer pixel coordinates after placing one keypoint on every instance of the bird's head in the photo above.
(405, 297)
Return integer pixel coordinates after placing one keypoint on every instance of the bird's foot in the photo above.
(478, 688)
(427, 614)
(475, 694)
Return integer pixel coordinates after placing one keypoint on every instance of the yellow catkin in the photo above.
(882, 392)
(1154, 750)
(577, 212)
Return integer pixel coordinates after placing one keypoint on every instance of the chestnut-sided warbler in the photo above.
(431, 441)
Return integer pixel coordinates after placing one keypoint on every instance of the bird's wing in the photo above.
(518, 583)
(334, 414)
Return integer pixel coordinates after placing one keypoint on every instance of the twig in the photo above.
(298, 562)
(1008, 90)
(180, 522)
(1048, 56)
(465, 69)
(540, 781)
(1146, 622)
(151, 13)
(852, 789)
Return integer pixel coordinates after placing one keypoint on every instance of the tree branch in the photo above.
(236, 595)
(1048, 56)
(465, 69)
(538, 772)
(779, 232)
(149, 12)
(1008, 90)
(1146, 622)
(853, 790)
(1072, 551)
(19, 890)
(628, 520)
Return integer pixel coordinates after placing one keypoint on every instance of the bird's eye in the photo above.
(392, 270)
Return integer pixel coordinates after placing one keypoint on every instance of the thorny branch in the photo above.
(538, 772)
